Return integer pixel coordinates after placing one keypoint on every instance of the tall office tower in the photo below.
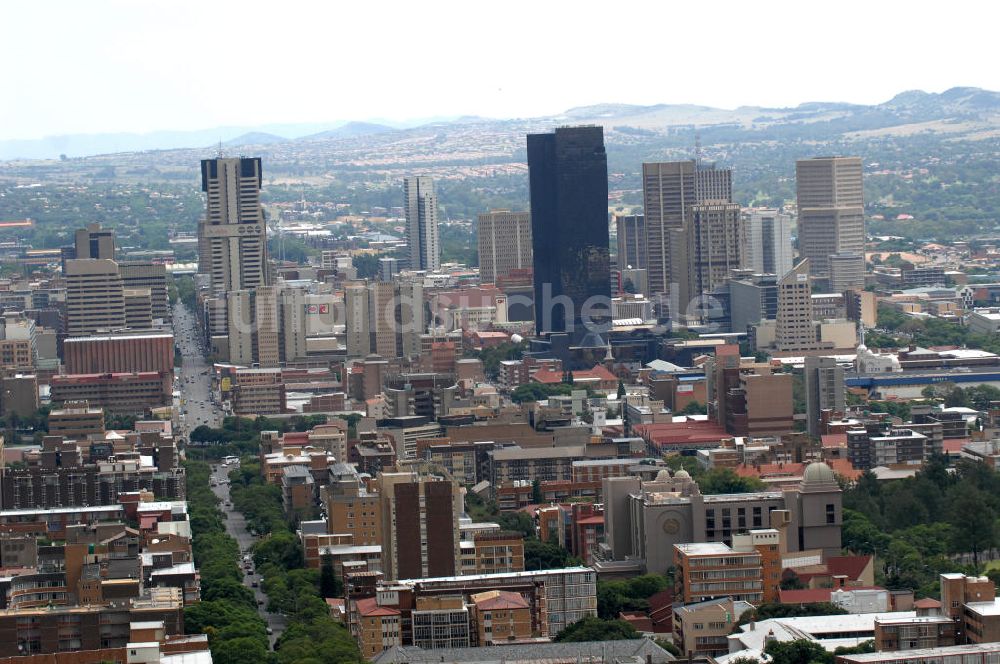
(824, 387)
(631, 231)
(95, 298)
(239, 327)
(357, 332)
(292, 309)
(669, 190)
(795, 329)
(769, 242)
(143, 274)
(385, 318)
(831, 203)
(232, 237)
(420, 533)
(95, 242)
(388, 268)
(847, 272)
(420, 207)
(504, 244)
(267, 328)
(568, 178)
(713, 244)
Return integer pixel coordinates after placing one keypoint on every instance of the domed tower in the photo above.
(819, 509)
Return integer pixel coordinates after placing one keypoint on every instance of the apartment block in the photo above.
(95, 299)
(420, 534)
(122, 353)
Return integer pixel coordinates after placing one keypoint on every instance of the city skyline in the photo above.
(146, 82)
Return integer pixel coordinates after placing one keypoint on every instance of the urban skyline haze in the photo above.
(130, 67)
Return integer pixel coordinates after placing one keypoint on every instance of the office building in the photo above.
(824, 387)
(138, 308)
(669, 190)
(232, 237)
(131, 393)
(752, 299)
(769, 241)
(388, 268)
(139, 274)
(847, 272)
(504, 239)
(94, 297)
(830, 200)
(631, 241)
(76, 421)
(119, 353)
(568, 178)
(795, 329)
(420, 208)
(385, 318)
(707, 249)
(420, 533)
(94, 242)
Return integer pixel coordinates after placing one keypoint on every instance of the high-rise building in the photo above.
(824, 387)
(769, 242)
(95, 242)
(568, 177)
(795, 329)
(420, 531)
(385, 318)
(94, 296)
(504, 244)
(707, 249)
(831, 203)
(232, 237)
(138, 308)
(669, 190)
(420, 207)
(847, 272)
(631, 241)
(752, 299)
(143, 274)
(388, 268)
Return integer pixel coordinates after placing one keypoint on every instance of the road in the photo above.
(194, 381)
(193, 377)
(236, 526)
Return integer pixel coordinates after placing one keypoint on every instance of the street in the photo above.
(193, 377)
(237, 529)
(194, 381)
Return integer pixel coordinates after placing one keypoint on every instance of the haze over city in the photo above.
(139, 67)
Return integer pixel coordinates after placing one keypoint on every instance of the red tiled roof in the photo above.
(369, 608)
(545, 375)
(834, 440)
(841, 467)
(954, 445)
(850, 566)
(665, 434)
(927, 603)
(500, 599)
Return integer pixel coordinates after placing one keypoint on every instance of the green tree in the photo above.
(595, 629)
(694, 408)
(367, 265)
(973, 521)
(725, 480)
(801, 651)
(329, 585)
(536, 492)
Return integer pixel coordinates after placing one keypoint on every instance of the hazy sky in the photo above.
(101, 66)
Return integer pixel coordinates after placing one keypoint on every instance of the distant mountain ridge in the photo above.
(908, 107)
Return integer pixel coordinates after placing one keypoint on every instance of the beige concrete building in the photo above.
(831, 203)
(142, 274)
(232, 243)
(631, 241)
(138, 308)
(94, 297)
(669, 190)
(795, 329)
(95, 242)
(504, 239)
(716, 240)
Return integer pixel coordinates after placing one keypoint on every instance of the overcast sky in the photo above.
(101, 66)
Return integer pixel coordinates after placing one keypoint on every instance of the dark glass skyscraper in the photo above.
(568, 175)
